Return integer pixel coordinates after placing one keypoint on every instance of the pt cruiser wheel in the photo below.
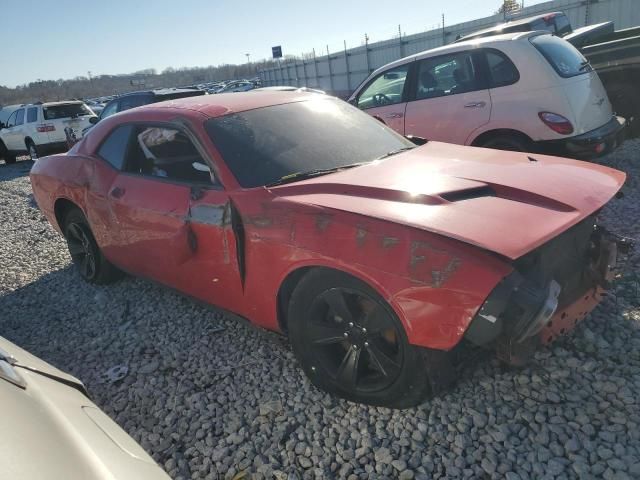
(350, 342)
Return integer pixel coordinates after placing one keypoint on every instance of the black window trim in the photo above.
(476, 57)
(179, 125)
(12, 114)
(405, 91)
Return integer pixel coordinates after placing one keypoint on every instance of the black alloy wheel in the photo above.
(355, 340)
(81, 249)
(350, 342)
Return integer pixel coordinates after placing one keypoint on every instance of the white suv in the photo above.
(39, 129)
(521, 91)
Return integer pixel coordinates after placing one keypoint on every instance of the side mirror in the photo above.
(93, 120)
(201, 167)
(416, 140)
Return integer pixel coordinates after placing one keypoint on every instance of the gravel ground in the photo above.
(209, 396)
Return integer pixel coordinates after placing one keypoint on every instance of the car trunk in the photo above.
(588, 101)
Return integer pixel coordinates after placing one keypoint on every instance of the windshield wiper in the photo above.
(395, 152)
(297, 176)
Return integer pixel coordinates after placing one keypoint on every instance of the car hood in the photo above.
(506, 202)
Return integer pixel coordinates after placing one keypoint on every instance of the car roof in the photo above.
(53, 104)
(492, 41)
(508, 24)
(225, 103)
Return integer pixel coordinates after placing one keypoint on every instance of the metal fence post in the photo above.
(366, 52)
(304, 72)
(330, 72)
(315, 68)
(346, 64)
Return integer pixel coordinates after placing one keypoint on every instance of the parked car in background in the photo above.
(57, 432)
(613, 55)
(137, 99)
(239, 86)
(288, 88)
(306, 216)
(39, 129)
(96, 106)
(520, 91)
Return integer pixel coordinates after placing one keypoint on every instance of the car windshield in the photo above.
(264, 145)
(66, 110)
(565, 59)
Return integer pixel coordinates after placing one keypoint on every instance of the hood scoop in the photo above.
(468, 194)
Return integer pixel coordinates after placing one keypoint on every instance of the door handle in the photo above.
(476, 105)
(394, 115)
(117, 192)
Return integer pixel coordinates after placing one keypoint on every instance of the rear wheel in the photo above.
(84, 251)
(350, 342)
(32, 150)
(506, 142)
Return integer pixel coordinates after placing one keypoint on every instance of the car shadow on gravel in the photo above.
(15, 170)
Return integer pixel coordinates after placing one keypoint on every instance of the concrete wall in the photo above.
(341, 72)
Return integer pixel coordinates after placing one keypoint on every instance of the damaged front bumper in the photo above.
(549, 292)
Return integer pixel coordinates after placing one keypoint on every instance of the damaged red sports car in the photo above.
(375, 256)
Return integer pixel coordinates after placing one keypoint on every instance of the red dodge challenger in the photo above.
(299, 212)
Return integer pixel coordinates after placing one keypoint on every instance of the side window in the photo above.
(11, 121)
(131, 102)
(386, 89)
(166, 153)
(109, 110)
(20, 117)
(502, 71)
(447, 75)
(114, 148)
(32, 114)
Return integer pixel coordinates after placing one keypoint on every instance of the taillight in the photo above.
(557, 123)
(46, 127)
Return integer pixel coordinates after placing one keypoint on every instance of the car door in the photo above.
(165, 219)
(384, 98)
(449, 98)
(8, 133)
(14, 137)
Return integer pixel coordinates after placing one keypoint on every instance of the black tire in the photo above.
(506, 142)
(377, 367)
(85, 253)
(4, 153)
(32, 150)
(624, 100)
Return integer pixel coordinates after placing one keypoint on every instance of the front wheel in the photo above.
(85, 253)
(4, 153)
(349, 342)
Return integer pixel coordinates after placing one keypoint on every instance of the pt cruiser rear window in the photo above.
(565, 59)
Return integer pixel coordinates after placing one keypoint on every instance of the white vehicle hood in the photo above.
(53, 431)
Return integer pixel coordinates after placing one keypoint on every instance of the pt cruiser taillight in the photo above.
(556, 122)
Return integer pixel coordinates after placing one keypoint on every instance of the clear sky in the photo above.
(51, 39)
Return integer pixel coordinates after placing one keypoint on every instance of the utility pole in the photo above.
(330, 71)
(400, 40)
(366, 51)
(444, 40)
(248, 55)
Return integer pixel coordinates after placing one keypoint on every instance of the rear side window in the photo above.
(562, 25)
(66, 110)
(114, 148)
(565, 59)
(32, 114)
(20, 117)
(502, 71)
